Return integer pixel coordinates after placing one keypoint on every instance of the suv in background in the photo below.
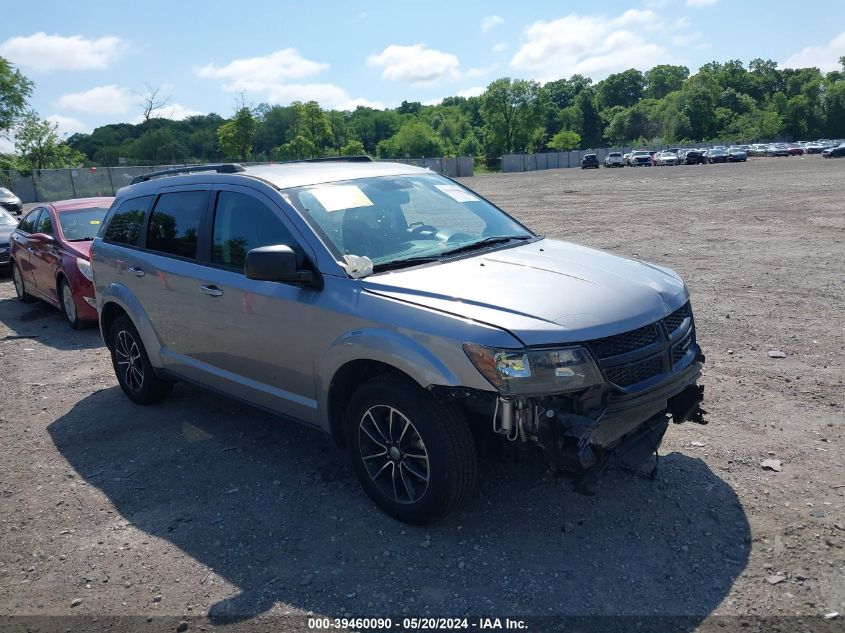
(590, 161)
(393, 309)
(614, 159)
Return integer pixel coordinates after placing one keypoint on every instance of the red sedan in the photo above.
(50, 256)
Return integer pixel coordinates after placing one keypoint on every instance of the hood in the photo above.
(9, 197)
(544, 292)
(5, 232)
(82, 249)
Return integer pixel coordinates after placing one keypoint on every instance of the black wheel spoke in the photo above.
(389, 441)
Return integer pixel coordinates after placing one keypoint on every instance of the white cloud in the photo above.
(701, 3)
(593, 45)
(360, 17)
(55, 52)
(65, 125)
(415, 64)
(7, 146)
(112, 99)
(471, 92)
(280, 65)
(501, 46)
(824, 57)
(268, 77)
(488, 22)
(172, 111)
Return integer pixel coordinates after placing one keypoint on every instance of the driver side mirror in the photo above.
(276, 263)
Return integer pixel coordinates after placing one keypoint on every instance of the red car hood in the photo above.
(82, 249)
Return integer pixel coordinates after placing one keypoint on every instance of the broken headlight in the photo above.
(535, 371)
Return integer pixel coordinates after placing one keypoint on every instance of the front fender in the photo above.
(389, 347)
(119, 294)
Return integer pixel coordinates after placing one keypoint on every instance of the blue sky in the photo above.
(90, 60)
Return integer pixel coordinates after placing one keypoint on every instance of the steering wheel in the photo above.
(422, 230)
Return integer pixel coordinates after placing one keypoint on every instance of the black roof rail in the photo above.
(220, 168)
(363, 158)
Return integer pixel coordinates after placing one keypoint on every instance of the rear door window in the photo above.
(175, 223)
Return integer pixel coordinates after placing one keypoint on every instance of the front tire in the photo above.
(20, 287)
(132, 365)
(69, 305)
(414, 456)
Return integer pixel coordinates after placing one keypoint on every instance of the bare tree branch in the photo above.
(152, 101)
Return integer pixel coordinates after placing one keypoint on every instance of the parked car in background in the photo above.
(590, 161)
(692, 157)
(305, 289)
(715, 155)
(10, 202)
(813, 147)
(8, 223)
(640, 159)
(834, 152)
(758, 149)
(626, 159)
(50, 256)
(795, 149)
(778, 149)
(666, 157)
(737, 155)
(614, 159)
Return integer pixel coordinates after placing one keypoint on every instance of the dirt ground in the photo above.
(202, 506)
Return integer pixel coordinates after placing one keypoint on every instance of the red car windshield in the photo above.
(81, 224)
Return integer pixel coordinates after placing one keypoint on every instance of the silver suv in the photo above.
(399, 312)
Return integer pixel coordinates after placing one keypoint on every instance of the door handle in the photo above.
(136, 271)
(211, 291)
(30, 250)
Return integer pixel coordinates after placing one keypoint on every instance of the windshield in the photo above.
(81, 224)
(6, 219)
(397, 218)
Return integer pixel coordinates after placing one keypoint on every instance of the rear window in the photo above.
(124, 227)
(175, 221)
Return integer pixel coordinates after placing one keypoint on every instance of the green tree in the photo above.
(15, 89)
(235, 136)
(310, 132)
(510, 109)
(414, 139)
(565, 140)
(621, 89)
(353, 148)
(663, 79)
(39, 146)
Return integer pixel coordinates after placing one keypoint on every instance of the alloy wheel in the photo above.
(16, 279)
(67, 302)
(393, 453)
(128, 356)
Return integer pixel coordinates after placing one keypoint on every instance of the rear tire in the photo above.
(20, 287)
(413, 455)
(132, 365)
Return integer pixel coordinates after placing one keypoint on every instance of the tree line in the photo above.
(666, 104)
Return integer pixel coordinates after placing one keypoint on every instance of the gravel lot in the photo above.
(201, 506)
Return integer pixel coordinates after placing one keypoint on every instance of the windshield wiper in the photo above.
(487, 241)
(404, 263)
(81, 239)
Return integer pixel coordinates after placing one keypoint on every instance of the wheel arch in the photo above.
(361, 355)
